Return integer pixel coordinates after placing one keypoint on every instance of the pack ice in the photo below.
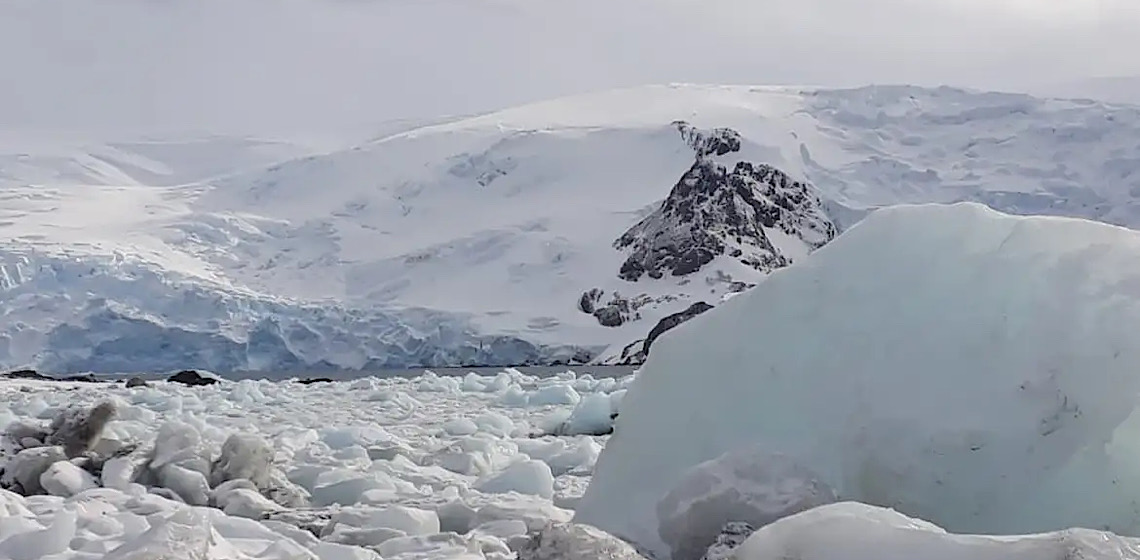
(966, 367)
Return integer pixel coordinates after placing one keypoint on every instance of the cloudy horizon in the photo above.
(265, 65)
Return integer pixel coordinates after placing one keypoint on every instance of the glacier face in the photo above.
(473, 240)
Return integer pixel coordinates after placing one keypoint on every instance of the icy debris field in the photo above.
(430, 467)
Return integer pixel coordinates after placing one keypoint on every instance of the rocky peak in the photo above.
(714, 211)
(718, 141)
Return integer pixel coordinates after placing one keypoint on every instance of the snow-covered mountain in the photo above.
(496, 239)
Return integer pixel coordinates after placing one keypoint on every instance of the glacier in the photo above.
(970, 368)
(470, 241)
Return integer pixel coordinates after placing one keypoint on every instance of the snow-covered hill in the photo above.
(478, 240)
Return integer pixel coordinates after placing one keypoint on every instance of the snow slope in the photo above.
(473, 240)
(971, 368)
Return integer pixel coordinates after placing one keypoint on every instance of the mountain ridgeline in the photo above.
(719, 209)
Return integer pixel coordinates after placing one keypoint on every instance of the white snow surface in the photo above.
(967, 367)
(854, 531)
(470, 240)
(379, 446)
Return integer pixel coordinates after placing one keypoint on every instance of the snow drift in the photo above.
(971, 368)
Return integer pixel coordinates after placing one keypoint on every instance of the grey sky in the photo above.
(294, 65)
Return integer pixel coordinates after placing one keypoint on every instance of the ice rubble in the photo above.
(243, 470)
(971, 368)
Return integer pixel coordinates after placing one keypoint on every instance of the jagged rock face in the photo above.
(714, 210)
(619, 310)
(718, 141)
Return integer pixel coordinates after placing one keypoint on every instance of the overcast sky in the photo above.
(295, 65)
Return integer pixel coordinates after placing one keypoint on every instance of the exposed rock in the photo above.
(191, 378)
(609, 316)
(714, 211)
(715, 142)
(312, 380)
(637, 351)
(588, 303)
(83, 378)
(672, 321)
(137, 382)
(27, 374)
(619, 309)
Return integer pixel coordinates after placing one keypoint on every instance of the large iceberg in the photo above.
(963, 366)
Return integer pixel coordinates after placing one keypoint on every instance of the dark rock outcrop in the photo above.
(137, 382)
(619, 310)
(28, 374)
(37, 376)
(312, 380)
(636, 352)
(715, 210)
(715, 142)
(588, 303)
(191, 378)
(672, 321)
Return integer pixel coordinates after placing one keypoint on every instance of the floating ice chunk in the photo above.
(23, 471)
(578, 457)
(746, 485)
(514, 396)
(349, 490)
(246, 456)
(474, 383)
(188, 484)
(64, 479)
(356, 536)
(571, 541)
(495, 424)
(410, 521)
(525, 477)
(12, 505)
(179, 443)
(594, 415)
(460, 427)
(244, 502)
(429, 547)
(338, 438)
(38, 544)
(554, 395)
(336, 551)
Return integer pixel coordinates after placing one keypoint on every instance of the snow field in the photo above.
(430, 467)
